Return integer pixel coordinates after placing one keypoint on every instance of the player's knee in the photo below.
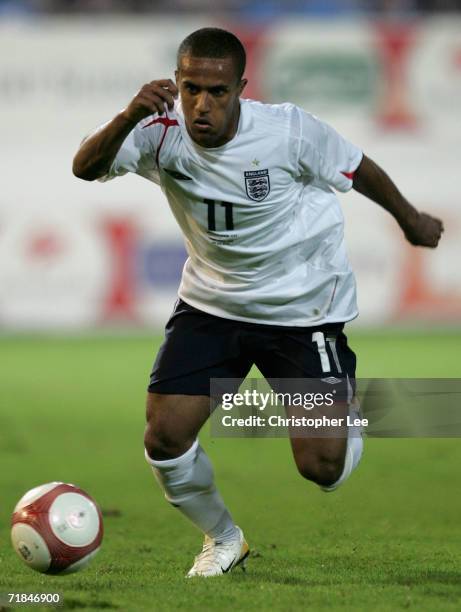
(161, 438)
(322, 470)
(161, 441)
(161, 444)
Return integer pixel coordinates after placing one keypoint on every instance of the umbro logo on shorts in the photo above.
(177, 175)
(257, 184)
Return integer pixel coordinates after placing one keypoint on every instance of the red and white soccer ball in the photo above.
(56, 528)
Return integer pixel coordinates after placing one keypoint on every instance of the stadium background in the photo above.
(78, 255)
(88, 275)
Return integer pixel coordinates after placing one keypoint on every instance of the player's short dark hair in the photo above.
(214, 43)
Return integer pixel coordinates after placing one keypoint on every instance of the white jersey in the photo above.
(262, 225)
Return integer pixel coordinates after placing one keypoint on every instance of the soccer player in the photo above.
(267, 280)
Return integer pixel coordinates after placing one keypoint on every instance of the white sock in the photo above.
(354, 448)
(188, 484)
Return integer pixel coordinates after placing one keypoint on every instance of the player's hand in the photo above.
(153, 97)
(424, 230)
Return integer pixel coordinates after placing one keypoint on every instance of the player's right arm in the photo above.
(98, 151)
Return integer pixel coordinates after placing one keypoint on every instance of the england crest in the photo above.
(257, 184)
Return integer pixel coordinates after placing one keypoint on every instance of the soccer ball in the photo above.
(56, 528)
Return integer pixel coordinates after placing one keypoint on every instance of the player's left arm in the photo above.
(420, 229)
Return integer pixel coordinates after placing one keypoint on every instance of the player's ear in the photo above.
(242, 85)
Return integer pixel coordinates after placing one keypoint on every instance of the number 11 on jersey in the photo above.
(229, 217)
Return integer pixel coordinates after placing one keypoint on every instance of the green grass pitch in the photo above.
(72, 410)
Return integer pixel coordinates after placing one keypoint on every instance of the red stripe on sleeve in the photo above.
(349, 175)
(167, 122)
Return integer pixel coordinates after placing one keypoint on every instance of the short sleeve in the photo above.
(137, 153)
(325, 154)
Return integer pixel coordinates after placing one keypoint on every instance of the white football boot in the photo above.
(218, 558)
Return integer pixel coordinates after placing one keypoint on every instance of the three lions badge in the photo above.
(257, 184)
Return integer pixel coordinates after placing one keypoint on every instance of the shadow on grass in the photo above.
(331, 571)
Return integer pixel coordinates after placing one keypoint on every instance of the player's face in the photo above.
(210, 92)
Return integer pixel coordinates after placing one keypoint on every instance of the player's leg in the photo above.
(354, 447)
(342, 362)
(320, 353)
(197, 347)
(180, 464)
(319, 459)
(328, 461)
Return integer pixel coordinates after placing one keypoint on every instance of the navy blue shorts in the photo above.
(199, 346)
